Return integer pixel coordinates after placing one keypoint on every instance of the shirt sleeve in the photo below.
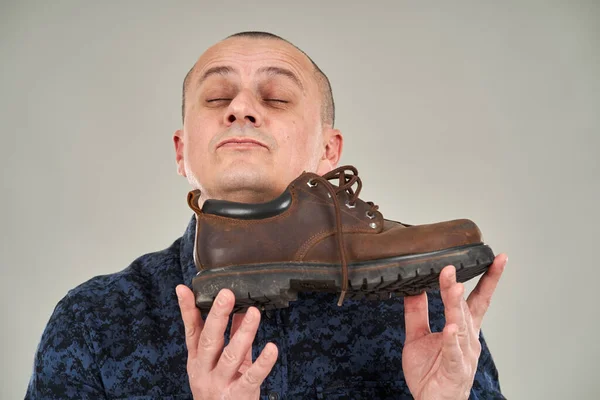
(64, 365)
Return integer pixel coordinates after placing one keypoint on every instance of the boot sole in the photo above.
(274, 285)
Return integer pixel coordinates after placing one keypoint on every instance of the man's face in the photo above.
(253, 121)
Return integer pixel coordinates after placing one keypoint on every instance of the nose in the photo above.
(243, 109)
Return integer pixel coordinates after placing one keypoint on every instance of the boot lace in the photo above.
(347, 177)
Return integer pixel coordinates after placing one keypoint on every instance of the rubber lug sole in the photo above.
(274, 285)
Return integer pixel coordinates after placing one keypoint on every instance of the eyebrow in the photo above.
(220, 70)
(226, 70)
(282, 71)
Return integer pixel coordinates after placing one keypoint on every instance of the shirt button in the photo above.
(273, 396)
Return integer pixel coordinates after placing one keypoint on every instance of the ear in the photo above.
(333, 142)
(178, 142)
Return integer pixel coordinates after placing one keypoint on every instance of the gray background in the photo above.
(478, 110)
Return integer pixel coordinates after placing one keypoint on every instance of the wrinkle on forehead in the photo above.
(248, 55)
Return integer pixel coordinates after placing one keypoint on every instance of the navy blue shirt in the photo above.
(120, 336)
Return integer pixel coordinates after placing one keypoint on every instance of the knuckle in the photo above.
(482, 307)
(195, 384)
(194, 371)
(251, 378)
(206, 342)
(483, 298)
(459, 290)
(224, 394)
(195, 380)
(190, 331)
(482, 303)
(263, 362)
(218, 312)
(228, 356)
(487, 301)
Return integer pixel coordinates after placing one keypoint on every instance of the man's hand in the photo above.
(223, 373)
(442, 365)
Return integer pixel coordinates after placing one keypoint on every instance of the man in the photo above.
(257, 113)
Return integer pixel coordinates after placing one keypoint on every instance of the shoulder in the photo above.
(149, 273)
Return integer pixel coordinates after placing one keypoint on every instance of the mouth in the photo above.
(241, 143)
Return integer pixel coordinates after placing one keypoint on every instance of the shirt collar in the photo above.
(186, 252)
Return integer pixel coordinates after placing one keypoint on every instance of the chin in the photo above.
(247, 184)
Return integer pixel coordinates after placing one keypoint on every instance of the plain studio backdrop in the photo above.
(478, 110)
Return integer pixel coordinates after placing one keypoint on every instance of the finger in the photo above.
(235, 324)
(416, 316)
(468, 318)
(235, 352)
(192, 321)
(251, 380)
(211, 341)
(473, 334)
(452, 297)
(236, 321)
(480, 298)
(452, 355)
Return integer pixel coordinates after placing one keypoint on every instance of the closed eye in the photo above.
(277, 100)
(214, 100)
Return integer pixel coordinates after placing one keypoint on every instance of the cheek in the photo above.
(292, 138)
(298, 145)
(199, 136)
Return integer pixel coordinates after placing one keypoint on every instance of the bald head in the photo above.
(327, 103)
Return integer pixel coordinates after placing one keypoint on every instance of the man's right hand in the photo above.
(223, 373)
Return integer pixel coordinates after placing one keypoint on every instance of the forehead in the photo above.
(248, 55)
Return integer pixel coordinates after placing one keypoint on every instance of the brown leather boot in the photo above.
(318, 236)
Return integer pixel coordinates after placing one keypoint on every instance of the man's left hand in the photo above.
(442, 365)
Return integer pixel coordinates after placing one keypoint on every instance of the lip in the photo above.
(241, 141)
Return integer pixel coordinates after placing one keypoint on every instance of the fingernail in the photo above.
(249, 316)
(177, 290)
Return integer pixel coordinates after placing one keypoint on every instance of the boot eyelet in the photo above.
(311, 183)
(350, 205)
(373, 225)
(370, 215)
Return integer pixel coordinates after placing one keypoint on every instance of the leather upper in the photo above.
(302, 227)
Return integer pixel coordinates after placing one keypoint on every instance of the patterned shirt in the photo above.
(120, 336)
